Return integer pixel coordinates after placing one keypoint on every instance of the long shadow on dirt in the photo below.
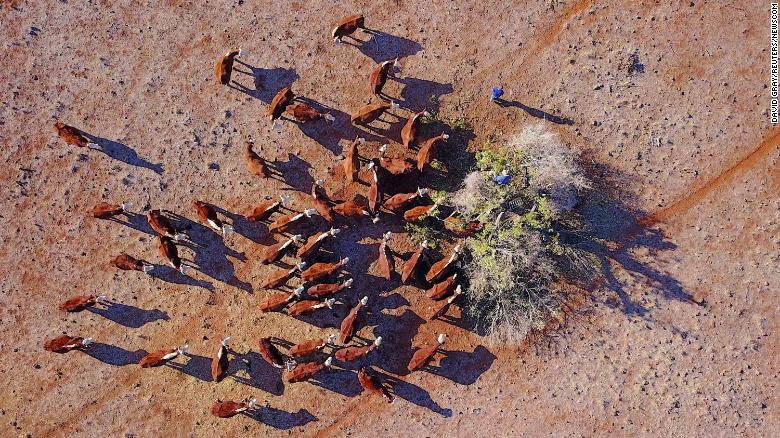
(262, 375)
(121, 152)
(422, 94)
(463, 367)
(281, 419)
(129, 316)
(413, 394)
(196, 366)
(266, 82)
(170, 275)
(381, 46)
(535, 112)
(211, 253)
(113, 355)
(330, 135)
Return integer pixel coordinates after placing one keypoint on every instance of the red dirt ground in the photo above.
(685, 145)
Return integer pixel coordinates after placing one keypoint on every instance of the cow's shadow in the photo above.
(170, 275)
(381, 46)
(121, 152)
(261, 374)
(135, 221)
(196, 366)
(257, 232)
(463, 367)
(330, 134)
(281, 419)
(397, 331)
(129, 316)
(211, 253)
(340, 381)
(266, 82)
(113, 355)
(413, 394)
(422, 94)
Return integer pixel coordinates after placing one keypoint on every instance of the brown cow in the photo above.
(322, 270)
(129, 263)
(348, 324)
(409, 131)
(397, 202)
(442, 267)
(279, 278)
(229, 408)
(256, 164)
(73, 136)
(304, 113)
(275, 252)
(424, 355)
(162, 226)
(169, 252)
(352, 160)
(284, 223)
(320, 204)
(279, 301)
(308, 306)
(441, 309)
(374, 194)
(386, 263)
(270, 353)
(442, 289)
(411, 266)
(368, 113)
(264, 210)
(224, 67)
(347, 26)
(351, 208)
(394, 166)
(161, 357)
(349, 354)
(307, 348)
(379, 75)
(428, 151)
(220, 362)
(81, 302)
(306, 371)
(414, 214)
(325, 289)
(314, 242)
(207, 215)
(105, 210)
(371, 384)
(283, 98)
(65, 343)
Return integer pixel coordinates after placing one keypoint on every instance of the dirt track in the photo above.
(685, 144)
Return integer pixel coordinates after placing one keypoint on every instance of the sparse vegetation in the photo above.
(516, 260)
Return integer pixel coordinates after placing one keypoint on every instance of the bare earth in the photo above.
(686, 143)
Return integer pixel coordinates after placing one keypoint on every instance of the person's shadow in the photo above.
(266, 82)
(113, 355)
(122, 152)
(129, 316)
(535, 112)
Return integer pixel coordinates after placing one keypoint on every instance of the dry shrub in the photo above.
(515, 261)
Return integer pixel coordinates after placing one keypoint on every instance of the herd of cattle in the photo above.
(321, 279)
